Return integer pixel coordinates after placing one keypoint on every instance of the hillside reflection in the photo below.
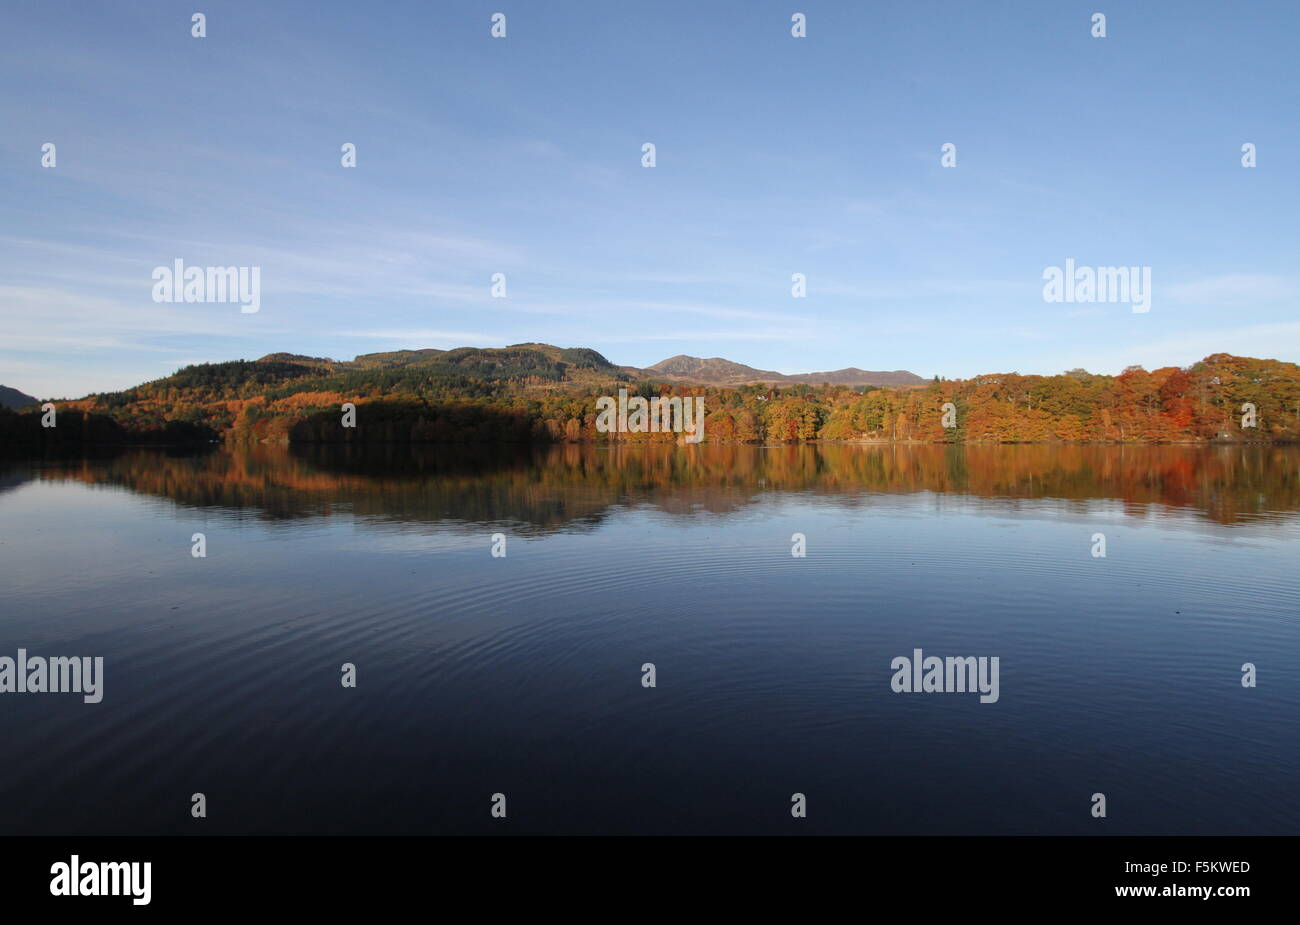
(566, 487)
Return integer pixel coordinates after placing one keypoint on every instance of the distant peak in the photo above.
(721, 371)
(12, 398)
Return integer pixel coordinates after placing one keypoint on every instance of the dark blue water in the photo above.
(522, 675)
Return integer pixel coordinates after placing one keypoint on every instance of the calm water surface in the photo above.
(522, 674)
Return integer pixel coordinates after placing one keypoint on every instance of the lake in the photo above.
(522, 674)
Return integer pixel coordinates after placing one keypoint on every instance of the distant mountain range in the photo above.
(12, 398)
(679, 369)
(520, 363)
(717, 371)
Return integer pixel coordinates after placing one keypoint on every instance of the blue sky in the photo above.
(522, 156)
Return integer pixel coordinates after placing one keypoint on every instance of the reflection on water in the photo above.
(522, 674)
(553, 488)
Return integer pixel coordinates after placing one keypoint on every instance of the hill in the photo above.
(546, 360)
(12, 398)
(493, 363)
(719, 371)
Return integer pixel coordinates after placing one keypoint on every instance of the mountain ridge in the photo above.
(721, 371)
(12, 398)
(681, 368)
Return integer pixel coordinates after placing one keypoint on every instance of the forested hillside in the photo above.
(539, 393)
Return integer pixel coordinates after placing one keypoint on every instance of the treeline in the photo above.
(1223, 397)
(452, 421)
(24, 431)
